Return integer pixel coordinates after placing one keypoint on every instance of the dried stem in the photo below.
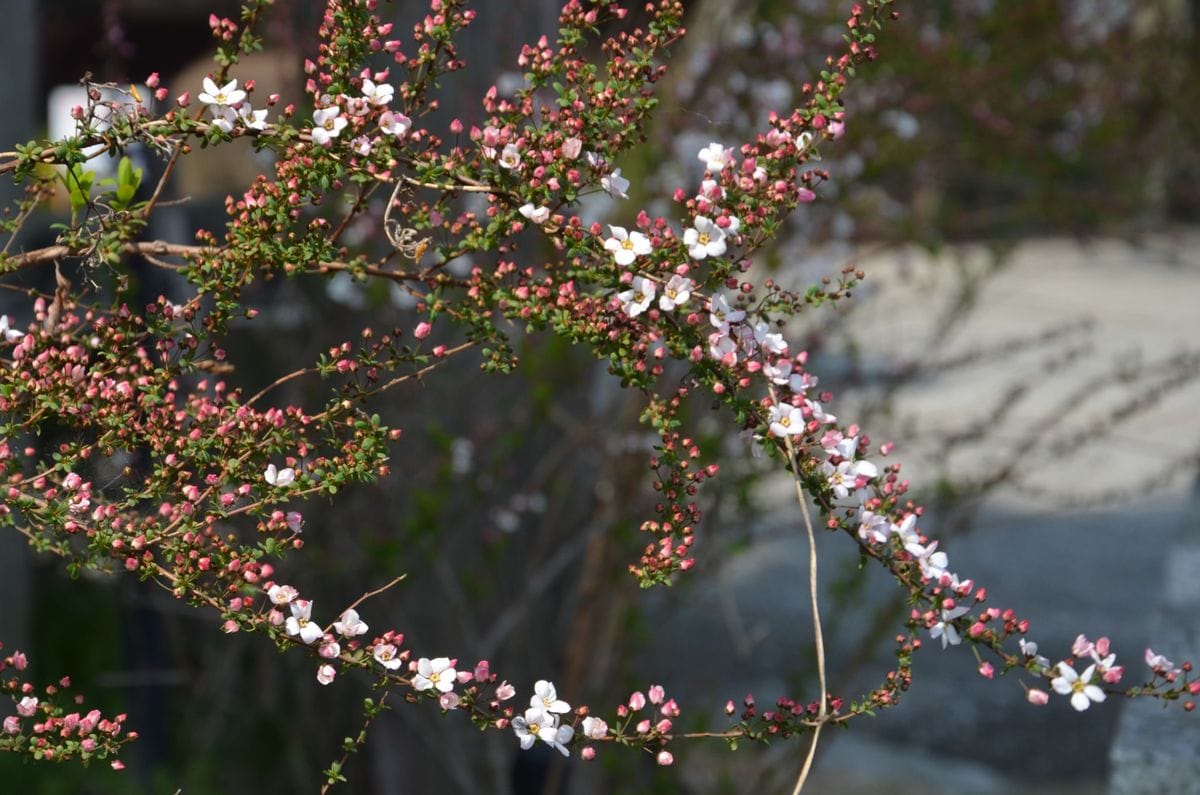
(818, 638)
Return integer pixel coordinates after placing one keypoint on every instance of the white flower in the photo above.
(800, 383)
(874, 527)
(386, 654)
(594, 728)
(818, 412)
(361, 145)
(510, 157)
(715, 157)
(907, 530)
(844, 478)
(251, 118)
(722, 315)
(723, 348)
(615, 185)
(1028, 647)
(393, 122)
(538, 724)
(539, 215)
(1082, 692)
(710, 190)
(546, 697)
(228, 94)
(435, 673)
(771, 341)
(945, 630)
(627, 246)
(786, 420)
(803, 141)
(326, 673)
(1160, 664)
(704, 239)
(676, 293)
(223, 117)
(637, 300)
(300, 623)
(377, 93)
(27, 706)
(282, 594)
(933, 563)
(349, 625)
(571, 147)
(281, 477)
(779, 371)
(10, 334)
(295, 521)
(328, 124)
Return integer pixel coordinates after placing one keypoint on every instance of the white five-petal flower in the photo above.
(704, 239)
(945, 630)
(279, 477)
(328, 124)
(786, 420)
(228, 94)
(301, 623)
(282, 594)
(510, 157)
(715, 157)
(676, 293)
(387, 655)
(350, 625)
(627, 246)
(393, 122)
(546, 697)
(722, 315)
(436, 673)
(377, 93)
(615, 185)
(1078, 686)
(636, 300)
(538, 724)
(539, 215)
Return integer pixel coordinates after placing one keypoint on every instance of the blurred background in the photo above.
(1019, 182)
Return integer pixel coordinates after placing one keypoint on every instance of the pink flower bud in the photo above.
(1037, 697)
(637, 701)
(422, 330)
(664, 758)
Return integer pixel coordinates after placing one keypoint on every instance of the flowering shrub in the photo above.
(124, 449)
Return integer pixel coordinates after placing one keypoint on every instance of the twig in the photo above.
(376, 592)
(818, 638)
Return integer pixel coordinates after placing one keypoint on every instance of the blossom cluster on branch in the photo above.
(169, 474)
